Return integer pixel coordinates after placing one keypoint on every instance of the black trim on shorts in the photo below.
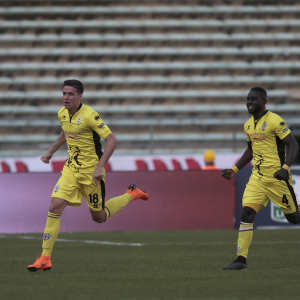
(102, 184)
(292, 193)
(246, 230)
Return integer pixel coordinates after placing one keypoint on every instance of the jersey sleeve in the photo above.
(280, 128)
(60, 115)
(98, 125)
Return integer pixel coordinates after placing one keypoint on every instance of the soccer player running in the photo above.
(267, 137)
(83, 173)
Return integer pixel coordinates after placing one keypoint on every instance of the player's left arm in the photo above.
(291, 153)
(111, 144)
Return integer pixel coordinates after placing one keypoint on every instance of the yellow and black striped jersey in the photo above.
(83, 131)
(266, 136)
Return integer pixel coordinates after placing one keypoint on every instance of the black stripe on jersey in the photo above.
(255, 123)
(292, 193)
(98, 146)
(102, 184)
(246, 230)
(281, 150)
(75, 111)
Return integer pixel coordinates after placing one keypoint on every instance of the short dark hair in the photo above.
(75, 84)
(259, 90)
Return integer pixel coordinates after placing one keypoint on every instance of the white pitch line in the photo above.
(141, 244)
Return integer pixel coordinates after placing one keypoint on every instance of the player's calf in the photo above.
(293, 218)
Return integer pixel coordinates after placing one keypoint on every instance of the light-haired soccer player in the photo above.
(267, 137)
(83, 173)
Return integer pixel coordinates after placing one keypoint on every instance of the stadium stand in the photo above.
(167, 77)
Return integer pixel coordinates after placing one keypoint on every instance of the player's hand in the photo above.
(281, 174)
(46, 158)
(98, 175)
(228, 174)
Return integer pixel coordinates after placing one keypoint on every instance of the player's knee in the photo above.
(248, 214)
(98, 219)
(294, 220)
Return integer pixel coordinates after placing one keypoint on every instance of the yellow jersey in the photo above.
(266, 136)
(83, 131)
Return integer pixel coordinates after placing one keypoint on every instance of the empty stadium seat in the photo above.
(141, 165)
(5, 168)
(159, 165)
(192, 164)
(21, 167)
(165, 78)
(176, 165)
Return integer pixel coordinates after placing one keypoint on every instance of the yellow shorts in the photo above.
(280, 193)
(73, 186)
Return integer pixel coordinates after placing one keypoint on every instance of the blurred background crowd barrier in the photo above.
(178, 201)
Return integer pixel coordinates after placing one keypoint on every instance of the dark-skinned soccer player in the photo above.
(273, 149)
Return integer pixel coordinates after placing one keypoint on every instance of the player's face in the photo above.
(71, 98)
(255, 102)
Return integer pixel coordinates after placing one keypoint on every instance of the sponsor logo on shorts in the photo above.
(56, 188)
(264, 126)
(101, 125)
(286, 129)
(79, 120)
(277, 215)
(47, 236)
(238, 250)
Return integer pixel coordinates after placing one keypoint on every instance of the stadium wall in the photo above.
(179, 200)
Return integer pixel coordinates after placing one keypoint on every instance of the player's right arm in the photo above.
(57, 144)
(244, 160)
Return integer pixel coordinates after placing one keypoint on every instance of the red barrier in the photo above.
(179, 200)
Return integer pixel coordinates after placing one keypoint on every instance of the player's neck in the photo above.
(259, 114)
(72, 111)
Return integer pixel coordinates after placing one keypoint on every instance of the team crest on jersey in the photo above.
(47, 236)
(264, 126)
(97, 117)
(56, 188)
(79, 120)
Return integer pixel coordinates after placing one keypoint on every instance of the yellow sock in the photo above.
(50, 233)
(245, 238)
(114, 205)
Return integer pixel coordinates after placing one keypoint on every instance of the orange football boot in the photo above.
(137, 193)
(41, 263)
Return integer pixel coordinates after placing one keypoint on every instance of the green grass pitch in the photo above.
(152, 265)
